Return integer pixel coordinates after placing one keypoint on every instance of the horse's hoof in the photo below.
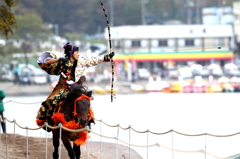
(55, 155)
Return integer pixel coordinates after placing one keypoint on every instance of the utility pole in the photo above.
(190, 4)
(143, 10)
(56, 29)
(197, 12)
(111, 12)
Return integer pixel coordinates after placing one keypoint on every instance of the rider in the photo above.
(70, 69)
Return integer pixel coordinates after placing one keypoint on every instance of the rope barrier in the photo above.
(20, 102)
(155, 133)
(118, 125)
(109, 137)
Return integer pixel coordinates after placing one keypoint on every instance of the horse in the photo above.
(74, 113)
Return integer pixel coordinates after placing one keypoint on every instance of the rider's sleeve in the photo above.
(89, 62)
(84, 63)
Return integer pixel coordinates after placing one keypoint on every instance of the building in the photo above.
(236, 25)
(154, 46)
(215, 15)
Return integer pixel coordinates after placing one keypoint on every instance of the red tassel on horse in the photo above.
(40, 122)
(59, 118)
(82, 139)
(71, 125)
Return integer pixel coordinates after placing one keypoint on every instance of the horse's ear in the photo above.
(81, 80)
(89, 94)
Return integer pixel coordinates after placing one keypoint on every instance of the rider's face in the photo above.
(76, 55)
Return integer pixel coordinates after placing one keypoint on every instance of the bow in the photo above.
(110, 45)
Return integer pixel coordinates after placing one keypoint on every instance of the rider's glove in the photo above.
(108, 57)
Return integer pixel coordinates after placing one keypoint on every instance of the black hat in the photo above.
(70, 49)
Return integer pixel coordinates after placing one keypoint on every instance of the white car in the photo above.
(39, 76)
(143, 73)
(186, 73)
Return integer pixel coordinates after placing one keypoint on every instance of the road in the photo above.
(36, 90)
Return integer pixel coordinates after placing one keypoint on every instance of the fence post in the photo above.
(46, 139)
(6, 138)
(27, 142)
(158, 147)
(205, 145)
(87, 144)
(117, 141)
(172, 144)
(14, 127)
(60, 138)
(147, 143)
(130, 141)
(101, 139)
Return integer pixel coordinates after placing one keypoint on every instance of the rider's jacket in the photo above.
(67, 73)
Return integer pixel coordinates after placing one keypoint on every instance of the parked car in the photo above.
(39, 76)
(205, 72)
(217, 72)
(185, 73)
(173, 73)
(25, 76)
(232, 72)
(32, 76)
(143, 73)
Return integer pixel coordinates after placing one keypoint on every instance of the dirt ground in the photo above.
(37, 149)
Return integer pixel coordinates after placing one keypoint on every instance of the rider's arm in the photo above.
(50, 61)
(93, 61)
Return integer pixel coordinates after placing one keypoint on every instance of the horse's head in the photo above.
(83, 107)
(77, 104)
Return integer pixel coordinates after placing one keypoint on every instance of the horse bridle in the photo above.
(83, 96)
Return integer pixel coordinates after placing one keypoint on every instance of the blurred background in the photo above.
(151, 41)
(170, 46)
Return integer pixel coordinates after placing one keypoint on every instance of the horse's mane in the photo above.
(73, 94)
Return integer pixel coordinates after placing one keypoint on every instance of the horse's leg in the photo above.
(56, 145)
(67, 144)
(77, 151)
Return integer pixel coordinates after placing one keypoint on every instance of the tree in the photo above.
(31, 26)
(7, 18)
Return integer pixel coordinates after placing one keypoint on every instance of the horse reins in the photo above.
(110, 46)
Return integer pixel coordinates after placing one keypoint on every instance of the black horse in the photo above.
(74, 113)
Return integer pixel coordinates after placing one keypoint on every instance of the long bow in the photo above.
(110, 45)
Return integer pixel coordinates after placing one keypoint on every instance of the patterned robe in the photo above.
(48, 107)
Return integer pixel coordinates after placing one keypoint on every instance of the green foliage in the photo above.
(73, 36)
(7, 18)
(102, 41)
(76, 18)
(31, 25)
